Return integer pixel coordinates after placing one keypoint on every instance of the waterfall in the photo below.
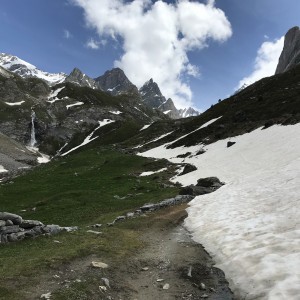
(32, 135)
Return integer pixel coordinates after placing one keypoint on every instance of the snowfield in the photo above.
(251, 225)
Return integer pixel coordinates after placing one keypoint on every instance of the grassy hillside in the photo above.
(92, 186)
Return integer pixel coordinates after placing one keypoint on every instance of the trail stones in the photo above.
(166, 286)
(99, 265)
(202, 286)
(106, 282)
(13, 228)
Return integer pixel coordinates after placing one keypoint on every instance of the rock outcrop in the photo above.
(204, 186)
(290, 55)
(116, 83)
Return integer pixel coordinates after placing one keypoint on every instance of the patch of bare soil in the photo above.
(170, 266)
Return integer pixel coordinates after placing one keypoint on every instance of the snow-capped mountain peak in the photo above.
(25, 69)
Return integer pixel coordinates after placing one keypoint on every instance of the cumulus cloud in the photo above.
(67, 34)
(93, 44)
(157, 37)
(265, 62)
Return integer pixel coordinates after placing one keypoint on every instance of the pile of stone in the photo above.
(13, 228)
(179, 199)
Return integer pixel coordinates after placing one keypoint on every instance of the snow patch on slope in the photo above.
(251, 225)
(116, 112)
(14, 103)
(210, 122)
(153, 172)
(89, 138)
(145, 127)
(154, 140)
(74, 104)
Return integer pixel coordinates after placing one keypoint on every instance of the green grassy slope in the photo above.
(78, 190)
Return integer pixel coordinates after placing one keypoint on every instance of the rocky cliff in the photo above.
(290, 55)
(152, 96)
(116, 82)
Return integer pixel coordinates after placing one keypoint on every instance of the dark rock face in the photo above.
(209, 182)
(290, 55)
(152, 96)
(169, 109)
(229, 144)
(188, 168)
(204, 186)
(77, 77)
(116, 82)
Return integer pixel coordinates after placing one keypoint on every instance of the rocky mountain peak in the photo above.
(151, 94)
(290, 55)
(116, 82)
(78, 77)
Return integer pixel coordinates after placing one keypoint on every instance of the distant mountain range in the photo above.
(113, 81)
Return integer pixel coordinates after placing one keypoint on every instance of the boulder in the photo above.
(14, 237)
(209, 182)
(148, 207)
(16, 219)
(30, 224)
(9, 223)
(51, 229)
(204, 186)
(229, 144)
(9, 229)
(187, 169)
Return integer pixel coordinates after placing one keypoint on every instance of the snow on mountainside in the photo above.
(25, 69)
(251, 225)
(188, 112)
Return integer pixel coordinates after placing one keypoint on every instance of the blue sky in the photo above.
(53, 35)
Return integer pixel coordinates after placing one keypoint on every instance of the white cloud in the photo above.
(265, 62)
(93, 44)
(156, 38)
(67, 34)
